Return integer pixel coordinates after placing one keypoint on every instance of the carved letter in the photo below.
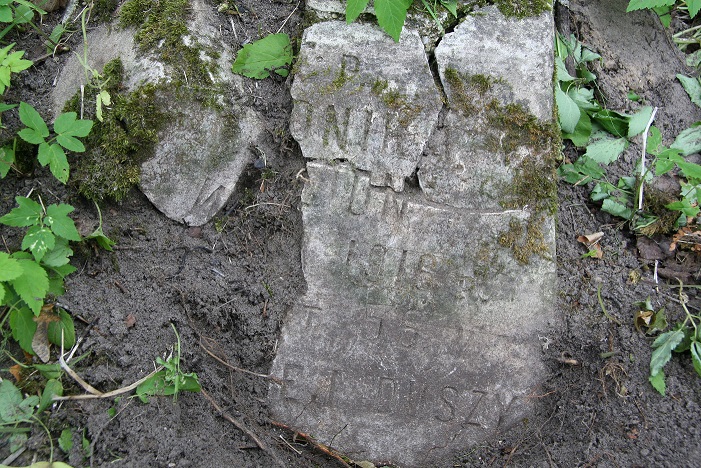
(448, 396)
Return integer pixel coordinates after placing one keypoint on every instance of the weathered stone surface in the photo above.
(360, 97)
(202, 149)
(482, 145)
(418, 334)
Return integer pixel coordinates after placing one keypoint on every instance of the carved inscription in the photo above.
(403, 395)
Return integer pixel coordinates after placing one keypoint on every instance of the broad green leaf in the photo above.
(391, 15)
(685, 207)
(52, 388)
(451, 6)
(354, 8)
(59, 255)
(32, 285)
(28, 213)
(2, 293)
(690, 170)
(25, 14)
(9, 268)
(693, 7)
(567, 110)
(49, 371)
(584, 98)
(61, 224)
(647, 4)
(23, 328)
(31, 135)
(665, 15)
(654, 141)
(38, 240)
(582, 132)
(696, 356)
(663, 345)
(5, 14)
(7, 159)
(689, 140)
(65, 325)
(14, 408)
(54, 156)
(31, 118)
(259, 58)
(658, 383)
(692, 87)
(613, 122)
(66, 124)
(638, 121)
(561, 71)
(617, 209)
(606, 150)
(70, 143)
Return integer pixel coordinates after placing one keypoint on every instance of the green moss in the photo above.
(121, 142)
(519, 8)
(379, 86)
(104, 9)
(337, 83)
(655, 202)
(161, 27)
(526, 239)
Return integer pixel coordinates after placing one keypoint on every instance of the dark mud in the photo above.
(227, 286)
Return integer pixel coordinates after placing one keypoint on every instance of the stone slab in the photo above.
(488, 63)
(201, 150)
(360, 97)
(418, 333)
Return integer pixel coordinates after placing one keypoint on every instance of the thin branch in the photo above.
(642, 165)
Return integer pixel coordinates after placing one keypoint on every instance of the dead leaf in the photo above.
(686, 238)
(591, 241)
(40, 342)
(643, 319)
(16, 372)
(130, 321)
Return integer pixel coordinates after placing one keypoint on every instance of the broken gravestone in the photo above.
(204, 141)
(428, 240)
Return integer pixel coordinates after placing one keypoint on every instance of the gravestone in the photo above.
(429, 279)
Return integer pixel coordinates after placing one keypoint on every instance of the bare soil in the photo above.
(227, 286)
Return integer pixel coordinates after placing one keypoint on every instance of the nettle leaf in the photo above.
(28, 213)
(354, 8)
(664, 345)
(647, 4)
(14, 408)
(694, 6)
(55, 157)
(31, 118)
(61, 224)
(689, 141)
(690, 170)
(391, 15)
(692, 87)
(32, 285)
(9, 268)
(617, 209)
(38, 240)
(567, 110)
(606, 150)
(259, 58)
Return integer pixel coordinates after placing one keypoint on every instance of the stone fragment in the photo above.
(360, 97)
(499, 126)
(418, 333)
(203, 147)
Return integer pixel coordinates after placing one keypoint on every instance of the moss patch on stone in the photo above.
(519, 8)
(121, 142)
(526, 239)
(161, 28)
